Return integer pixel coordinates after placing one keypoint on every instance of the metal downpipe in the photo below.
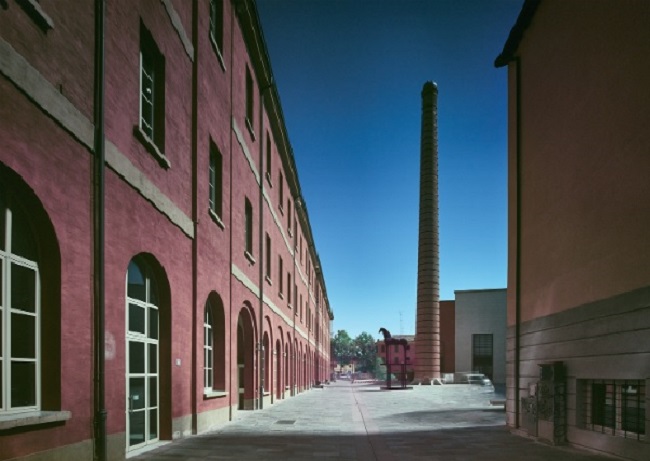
(98, 237)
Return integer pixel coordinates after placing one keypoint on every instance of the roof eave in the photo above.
(517, 33)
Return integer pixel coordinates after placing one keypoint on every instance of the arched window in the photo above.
(208, 352)
(214, 347)
(20, 316)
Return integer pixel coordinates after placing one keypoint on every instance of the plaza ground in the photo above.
(345, 421)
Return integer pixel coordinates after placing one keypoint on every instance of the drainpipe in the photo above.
(294, 383)
(232, 350)
(518, 250)
(98, 212)
(195, 218)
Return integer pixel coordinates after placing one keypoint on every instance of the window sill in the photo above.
(280, 295)
(151, 147)
(249, 126)
(281, 210)
(249, 257)
(214, 394)
(34, 10)
(289, 232)
(268, 179)
(215, 218)
(32, 418)
(217, 51)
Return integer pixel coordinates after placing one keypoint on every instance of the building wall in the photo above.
(397, 354)
(157, 209)
(447, 342)
(578, 277)
(481, 312)
(447, 336)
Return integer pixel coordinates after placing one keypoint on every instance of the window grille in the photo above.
(152, 90)
(615, 407)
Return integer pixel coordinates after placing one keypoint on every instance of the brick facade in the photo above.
(159, 214)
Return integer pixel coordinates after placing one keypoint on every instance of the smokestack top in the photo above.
(429, 87)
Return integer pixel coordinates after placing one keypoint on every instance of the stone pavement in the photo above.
(347, 421)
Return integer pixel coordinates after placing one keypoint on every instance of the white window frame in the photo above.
(8, 260)
(148, 126)
(216, 27)
(208, 347)
(132, 335)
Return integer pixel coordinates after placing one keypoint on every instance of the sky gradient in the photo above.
(349, 74)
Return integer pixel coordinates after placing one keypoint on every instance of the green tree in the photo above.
(365, 349)
(343, 347)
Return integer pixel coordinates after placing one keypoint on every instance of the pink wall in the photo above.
(58, 167)
(583, 172)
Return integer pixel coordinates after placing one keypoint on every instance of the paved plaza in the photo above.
(345, 421)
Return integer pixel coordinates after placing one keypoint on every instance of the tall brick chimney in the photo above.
(427, 328)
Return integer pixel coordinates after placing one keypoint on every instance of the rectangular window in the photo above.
(614, 407)
(216, 181)
(216, 24)
(289, 287)
(482, 354)
(268, 256)
(249, 98)
(289, 216)
(269, 153)
(280, 190)
(152, 91)
(280, 273)
(248, 213)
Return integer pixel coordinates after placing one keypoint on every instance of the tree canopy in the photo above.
(362, 350)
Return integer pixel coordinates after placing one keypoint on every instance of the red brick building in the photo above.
(401, 355)
(178, 281)
(578, 354)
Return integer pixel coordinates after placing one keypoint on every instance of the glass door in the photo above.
(142, 359)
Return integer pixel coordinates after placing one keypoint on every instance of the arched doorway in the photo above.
(245, 361)
(147, 340)
(278, 369)
(287, 368)
(268, 365)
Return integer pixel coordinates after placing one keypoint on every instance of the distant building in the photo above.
(200, 293)
(407, 356)
(578, 365)
(481, 332)
(447, 336)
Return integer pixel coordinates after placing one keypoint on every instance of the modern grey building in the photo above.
(480, 343)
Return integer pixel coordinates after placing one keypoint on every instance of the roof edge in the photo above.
(517, 33)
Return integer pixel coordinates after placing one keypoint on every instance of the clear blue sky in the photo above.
(349, 74)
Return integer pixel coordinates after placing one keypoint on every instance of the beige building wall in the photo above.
(481, 312)
(578, 250)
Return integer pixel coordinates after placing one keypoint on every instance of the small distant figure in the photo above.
(385, 332)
